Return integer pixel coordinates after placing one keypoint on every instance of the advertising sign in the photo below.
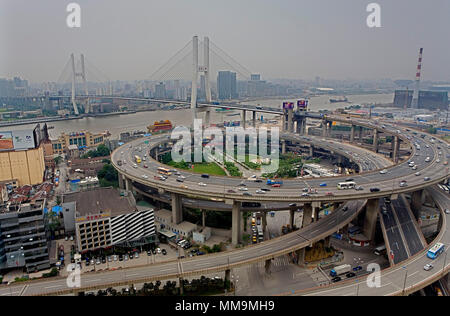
(302, 104)
(288, 105)
(6, 140)
(23, 139)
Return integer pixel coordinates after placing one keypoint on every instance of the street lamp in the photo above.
(404, 283)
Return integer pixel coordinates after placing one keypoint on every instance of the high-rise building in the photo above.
(226, 85)
(255, 77)
(403, 98)
(160, 91)
(433, 100)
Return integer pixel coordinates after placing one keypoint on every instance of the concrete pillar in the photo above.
(267, 266)
(396, 145)
(290, 121)
(327, 242)
(330, 125)
(236, 223)
(352, 134)
(203, 218)
(254, 118)
(181, 286)
(244, 118)
(283, 122)
(177, 209)
(360, 137)
(128, 184)
(324, 128)
(301, 256)
(264, 222)
(311, 150)
(307, 214)
(227, 275)
(416, 202)
(291, 217)
(316, 211)
(375, 140)
(283, 147)
(121, 184)
(207, 118)
(370, 219)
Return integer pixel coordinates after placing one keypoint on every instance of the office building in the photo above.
(160, 91)
(23, 240)
(226, 85)
(83, 139)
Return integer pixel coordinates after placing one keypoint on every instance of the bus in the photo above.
(381, 250)
(164, 171)
(346, 185)
(137, 159)
(435, 251)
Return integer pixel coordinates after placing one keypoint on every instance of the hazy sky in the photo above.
(130, 39)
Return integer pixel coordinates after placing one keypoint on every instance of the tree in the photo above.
(58, 160)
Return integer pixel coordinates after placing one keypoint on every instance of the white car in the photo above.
(427, 159)
(158, 250)
(242, 189)
(414, 168)
(202, 184)
(383, 171)
(144, 176)
(447, 211)
(418, 174)
(260, 192)
(428, 267)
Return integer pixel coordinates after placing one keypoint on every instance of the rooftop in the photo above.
(101, 200)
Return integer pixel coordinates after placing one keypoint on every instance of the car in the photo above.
(329, 193)
(231, 191)
(154, 251)
(277, 185)
(265, 189)
(242, 184)
(243, 189)
(120, 258)
(426, 179)
(345, 209)
(350, 275)
(428, 267)
(417, 174)
(260, 192)
(115, 258)
(92, 262)
(97, 262)
(384, 171)
(136, 255)
(323, 184)
(206, 176)
(359, 188)
(145, 176)
(336, 279)
(374, 190)
(164, 252)
(179, 179)
(447, 211)
(149, 253)
(145, 166)
(403, 183)
(357, 268)
(247, 194)
(158, 250)
(384, 210)
(202, 184)
(414, 168)
(110, 259)
(292, 204)
(305, 194)
(428, 159)
(126, 257)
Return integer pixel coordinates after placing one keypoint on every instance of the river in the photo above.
(117, 124)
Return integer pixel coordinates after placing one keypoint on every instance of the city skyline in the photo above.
(325, 40)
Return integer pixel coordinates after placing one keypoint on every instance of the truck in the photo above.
(339, 270)
(272, 182)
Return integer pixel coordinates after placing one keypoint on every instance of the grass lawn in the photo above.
(209, 168)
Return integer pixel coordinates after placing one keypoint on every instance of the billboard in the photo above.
(288, 105)
(23, 139)
(6, 141)
(17, 140)
(302, 104)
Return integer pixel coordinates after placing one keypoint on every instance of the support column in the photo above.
(330, 126)
(181, 286)
(301, 256)
(244, 119)
(324, 128)
(311, 150)
(207, 118)
(121, 185)
(227, 275)
(236, 223)
(127, 184)
(327, 242)
(352, 134)
(307, 214)
(316, 211)
(254, 118)
(291, 218)
(177, 209)
(203, 218)
(264, 222)
(283, 122)
(290, 121)
(375, 140)
(395, 149)
(194, 77)
(417, 202)
(283, 147)
(267, 266)
(370, 220)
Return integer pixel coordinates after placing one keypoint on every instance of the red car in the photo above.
(330, 193)
(276, 185)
